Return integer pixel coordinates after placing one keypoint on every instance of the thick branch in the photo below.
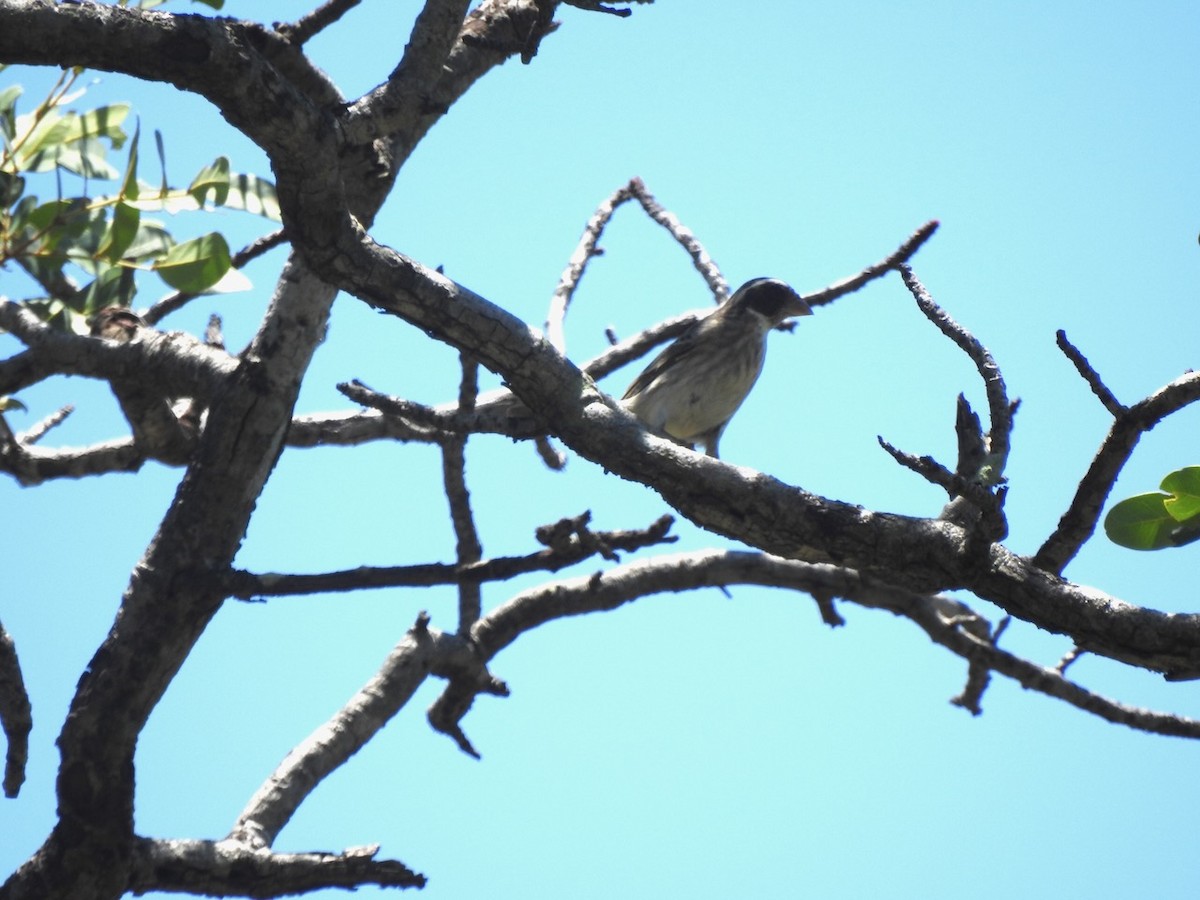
(231, 869)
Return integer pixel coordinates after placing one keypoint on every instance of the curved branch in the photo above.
(946, 621)
(588, 248)
(1000, 410)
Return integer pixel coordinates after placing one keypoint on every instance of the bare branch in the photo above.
(902, 254)
(999, 408)
(580, 546)
(588, 247)
(42, 428)
(945, 620)
(1089, 374)
(175, 363)
(32, 465)
(1078, 523)
(597, 6)
(404, 670)
(16, 715)
(683, 235)
(229, 868)
(454, 480)
(311, 24)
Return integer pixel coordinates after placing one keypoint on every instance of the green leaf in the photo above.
(254, 195)
(162, 160)
(1184, 486)
(11, 188)
(215, 4)
(214, 179)
(129, 184)
(8, 111)
(152, 241)
(195, 265)
(1140, 523)
(73, 141)
(120, 234)
(112, 287)
(101, 122)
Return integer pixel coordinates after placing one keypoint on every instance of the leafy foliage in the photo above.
(106, 238)
(1158, 520)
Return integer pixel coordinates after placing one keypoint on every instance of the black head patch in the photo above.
(771, 298)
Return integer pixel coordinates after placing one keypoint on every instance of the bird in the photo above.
(692, 389)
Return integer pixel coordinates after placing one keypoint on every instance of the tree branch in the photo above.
(902, 254)
(454, 480)
(16, 715)
(228, 868)
(588, 247)
(946, 621)
(580, 545)
(351, 727)
(175, 363)
(1078, 523)
(310, 25)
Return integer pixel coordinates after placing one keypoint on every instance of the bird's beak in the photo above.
(796, 307)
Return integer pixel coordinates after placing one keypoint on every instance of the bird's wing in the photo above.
(683, 347)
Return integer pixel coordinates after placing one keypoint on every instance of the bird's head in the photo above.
(768, 298)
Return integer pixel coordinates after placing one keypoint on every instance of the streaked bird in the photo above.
(692, 389)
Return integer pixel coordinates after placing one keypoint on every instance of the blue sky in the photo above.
(699, 745)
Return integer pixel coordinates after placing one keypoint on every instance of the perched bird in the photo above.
(692, 389)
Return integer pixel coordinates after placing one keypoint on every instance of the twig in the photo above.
(597, 6)
(1000, 410)
(588, 247)
(307, 26)
(1089, 374)
(901, 254)
(246, 585)
(551, 456)
(683, 235)
(584, 251)
(1069, 659)
(979, 675)
(39, 431)
(935, 473)
(454, 480)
